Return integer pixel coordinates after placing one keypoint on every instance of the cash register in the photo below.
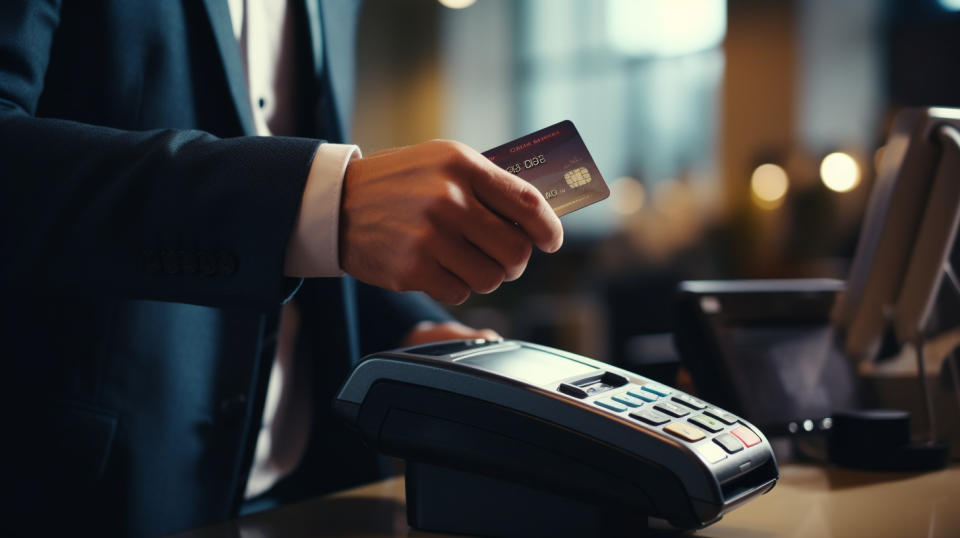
(509, 438)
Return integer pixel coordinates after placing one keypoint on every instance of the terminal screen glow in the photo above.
(531, 366)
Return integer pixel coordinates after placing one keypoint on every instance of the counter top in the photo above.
(809, 500)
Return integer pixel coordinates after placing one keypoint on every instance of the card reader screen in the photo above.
(528, 365)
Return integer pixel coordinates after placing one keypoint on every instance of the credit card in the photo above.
(556, 161)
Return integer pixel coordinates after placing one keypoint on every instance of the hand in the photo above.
(429, 331)
(439, 217)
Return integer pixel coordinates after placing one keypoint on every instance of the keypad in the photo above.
(710, 424)
(721, 415)
(728, 442)
(643, 395)
(710, 452)
(672, 409)
(746, 435)
(657, 389)
(685, 431)
(607, 403)
(650, 416)
(689, 401)
(627, 400)
(668, 405)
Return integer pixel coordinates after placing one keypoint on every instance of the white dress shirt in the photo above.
(265, 33)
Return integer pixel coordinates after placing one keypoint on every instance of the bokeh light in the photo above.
(457, 4)
(840, 172)
(628, 196)
(769, 184)
(950, 5)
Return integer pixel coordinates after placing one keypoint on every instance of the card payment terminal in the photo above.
(508, 438)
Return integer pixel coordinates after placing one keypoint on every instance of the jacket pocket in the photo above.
(83, 438)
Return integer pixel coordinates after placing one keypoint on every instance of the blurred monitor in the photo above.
(765, 350)
(776, 351)
(907, 234)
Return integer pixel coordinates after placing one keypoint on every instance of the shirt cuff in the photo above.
(313, 250)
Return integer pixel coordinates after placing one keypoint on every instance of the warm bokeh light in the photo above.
(769, 184)
(628, 196)
(839, 172)
(457, 4)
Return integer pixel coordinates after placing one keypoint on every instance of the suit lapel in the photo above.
(332, 34)
(219, 13)
(316, 35)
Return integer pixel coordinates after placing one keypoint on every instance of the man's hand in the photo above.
(429, 331)
(439, 217)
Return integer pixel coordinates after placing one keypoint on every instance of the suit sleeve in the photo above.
(167, 214)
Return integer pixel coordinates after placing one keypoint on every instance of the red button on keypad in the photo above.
(746, 435)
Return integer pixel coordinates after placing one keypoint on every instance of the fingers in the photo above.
(431, 331)
(518, 201)
(440, 218)
(488, 334)
(456, 330)
(499, 240)
(443, 287)
(469, 264)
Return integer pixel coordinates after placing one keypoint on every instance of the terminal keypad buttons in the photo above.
(659, 390)
(671, 405)
(728, 442)
(607, 403)
(685, 431)
(627, 400)
(689, 401)
(650, 416)
(643, 395)
(710, 452)
(672, 409)
(721, 415)
(746, 435)
(710, 424)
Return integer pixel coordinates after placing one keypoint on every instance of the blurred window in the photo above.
(641, 80)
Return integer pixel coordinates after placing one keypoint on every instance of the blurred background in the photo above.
(739, 137)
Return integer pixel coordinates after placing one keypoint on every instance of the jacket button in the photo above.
(149, 261)
(169, 260)
(206, 262)
(227, 263)
(188, 261)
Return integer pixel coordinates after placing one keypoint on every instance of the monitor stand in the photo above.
(441, 499)
(936, 245)
(943, 334)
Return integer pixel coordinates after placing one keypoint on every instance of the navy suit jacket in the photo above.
(142, 242)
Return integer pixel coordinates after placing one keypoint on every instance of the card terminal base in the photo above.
(441, 499)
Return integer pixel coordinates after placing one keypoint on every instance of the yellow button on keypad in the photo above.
(685, 431)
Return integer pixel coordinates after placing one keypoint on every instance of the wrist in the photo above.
(313, 249)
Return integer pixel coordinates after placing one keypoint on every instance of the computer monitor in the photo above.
(778, 351)
(908, 231)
